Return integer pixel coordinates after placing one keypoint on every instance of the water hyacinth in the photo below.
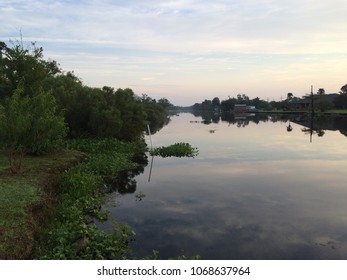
(175, 150)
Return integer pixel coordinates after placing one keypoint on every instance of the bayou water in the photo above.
(261, 187)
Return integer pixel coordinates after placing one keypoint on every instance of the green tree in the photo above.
(228, 104)
(343, 89)
(105, 121)
(73, 101)
(15, 121)
(216, 102)
(29, 125)
(242, 98)
(24, 66)
(165, 103)
(321, 91)
(47, 128)
(341, 100)
(206, 105)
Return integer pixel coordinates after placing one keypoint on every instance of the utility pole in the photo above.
(312, 115)
(312, 108)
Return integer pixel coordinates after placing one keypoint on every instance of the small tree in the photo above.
(15, 121)
(47, 128)
(29, 125)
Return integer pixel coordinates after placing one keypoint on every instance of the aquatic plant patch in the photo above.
(175, 150)
(72, 234)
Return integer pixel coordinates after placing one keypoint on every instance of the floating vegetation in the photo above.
(175, 150)
(139, 196)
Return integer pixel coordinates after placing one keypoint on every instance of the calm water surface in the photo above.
(255, 191)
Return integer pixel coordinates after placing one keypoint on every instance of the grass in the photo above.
(14, 202)
(23, 200)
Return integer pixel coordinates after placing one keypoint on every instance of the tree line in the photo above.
(323, 103)
(41, 106)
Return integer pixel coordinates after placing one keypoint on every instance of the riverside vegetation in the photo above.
(175, 150)
(72, 233)
(61, 143)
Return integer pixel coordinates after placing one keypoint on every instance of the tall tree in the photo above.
(344, 89)
(25, 66)
(216, 102)
(321, 91)
(30, 123)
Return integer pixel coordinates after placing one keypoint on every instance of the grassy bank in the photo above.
(47, 210)
(25, 200)
(72, 233)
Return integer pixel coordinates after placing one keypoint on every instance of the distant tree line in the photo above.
(321, 100)
(41, 105)
(228, 104)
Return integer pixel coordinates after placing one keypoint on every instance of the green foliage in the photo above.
(105, 122)
(78, 183)
(156, 116)
(15, 122)
(175, 150)
(108, 157)
(87, 111)
(29, 125)
(47, 129)
(72, 236)
(101, 112)
(106, 146)
(139, 196)
(25, 66)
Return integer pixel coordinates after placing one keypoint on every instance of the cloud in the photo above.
(203, 39)
(233, 26)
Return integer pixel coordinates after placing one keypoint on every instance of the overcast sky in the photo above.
(190, 50)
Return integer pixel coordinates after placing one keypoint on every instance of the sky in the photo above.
(190, 50)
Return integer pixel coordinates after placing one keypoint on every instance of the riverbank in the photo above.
(26, 201)
(47, 211)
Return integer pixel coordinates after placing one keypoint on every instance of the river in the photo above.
(262, 187)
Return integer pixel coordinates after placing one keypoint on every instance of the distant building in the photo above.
(250, 108)
(240, 108)
(243, 108)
